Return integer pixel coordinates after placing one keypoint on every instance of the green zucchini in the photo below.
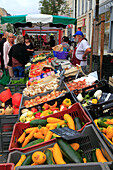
(66, 160)
(58, 126)
(27, 161)
(101, 123)
(69, 152)
(78, 123)
(49, 157)
(37, 122)
(35, 142)
(93, 156)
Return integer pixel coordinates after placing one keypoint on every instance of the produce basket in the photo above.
(75, 111)
(88, 142)
(16, 88)
(7, 166)
(57, 100)
(60, 54)
(103, 111)
(24, 98)
(4, 142)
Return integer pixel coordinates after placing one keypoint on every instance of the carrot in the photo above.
(38, 135)
(29, 130)
(21, 160)
(55, 124)
(100, 156)
(49, 134)
(53, 120)
(28, 138)
(70, 121)
(22, 137)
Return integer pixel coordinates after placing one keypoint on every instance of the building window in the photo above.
(82, 6)
(78, 7)
(90, 4)
(86, 4)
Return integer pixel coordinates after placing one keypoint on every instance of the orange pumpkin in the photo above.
(39, 157)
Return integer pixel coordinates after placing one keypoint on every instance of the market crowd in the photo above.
(15, 51)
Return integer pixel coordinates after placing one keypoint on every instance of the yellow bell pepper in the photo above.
(94, 101)
(67, 102)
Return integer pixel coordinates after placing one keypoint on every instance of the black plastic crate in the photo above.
(7, 122)
(24, 98)
(4, 142)
(51, 102)
(88, 142)
(16, 88)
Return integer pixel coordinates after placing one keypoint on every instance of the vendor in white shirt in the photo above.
(81, 51)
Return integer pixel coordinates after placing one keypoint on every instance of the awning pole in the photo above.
(40, 34)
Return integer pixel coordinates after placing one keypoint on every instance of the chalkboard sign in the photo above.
(67, 133)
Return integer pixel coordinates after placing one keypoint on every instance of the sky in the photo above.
(20, 7)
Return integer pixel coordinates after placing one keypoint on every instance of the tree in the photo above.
(54, 7)
(9, 28)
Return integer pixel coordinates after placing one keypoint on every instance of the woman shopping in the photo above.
(29, 46)
(18, 57)
(6, 48)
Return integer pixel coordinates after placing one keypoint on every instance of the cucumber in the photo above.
(78, 123)
(93, 156)
(27, 161)
(49, 157)
(34, 143)
(69, 152)
(37, 122)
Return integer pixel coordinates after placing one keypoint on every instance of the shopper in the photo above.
(6, 48)
(5, 34)
(51, 42)
(29, 46)
(81, 51)
(66, 46)
(18, 57)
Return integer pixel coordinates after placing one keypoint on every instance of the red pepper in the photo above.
(53, 109)
(38, 115)
(34, 110)
(45, 106)
(29, 83)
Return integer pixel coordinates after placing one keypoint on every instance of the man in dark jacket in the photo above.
(5, 34)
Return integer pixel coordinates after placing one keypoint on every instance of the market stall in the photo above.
(57, 118)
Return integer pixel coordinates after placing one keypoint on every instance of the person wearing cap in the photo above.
(81, 51)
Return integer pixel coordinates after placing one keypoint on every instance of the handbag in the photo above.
(5, 79)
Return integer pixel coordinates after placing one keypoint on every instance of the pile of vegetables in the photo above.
(41, 88)
(87, 99)
(72, 85)
(105, 125)
(37, 65)
(28, 115)
(40, 129)
(20, 81)
(41, 99)
(61, 153)
(8, 109)
(39, 57)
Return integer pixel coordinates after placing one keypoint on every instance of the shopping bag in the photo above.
(5, 78)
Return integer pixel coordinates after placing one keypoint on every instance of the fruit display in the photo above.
(105, 125)
(29, 114)
(38, 64)
(39, 129)
(41, 99)
(60, 153)
(41, 88)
